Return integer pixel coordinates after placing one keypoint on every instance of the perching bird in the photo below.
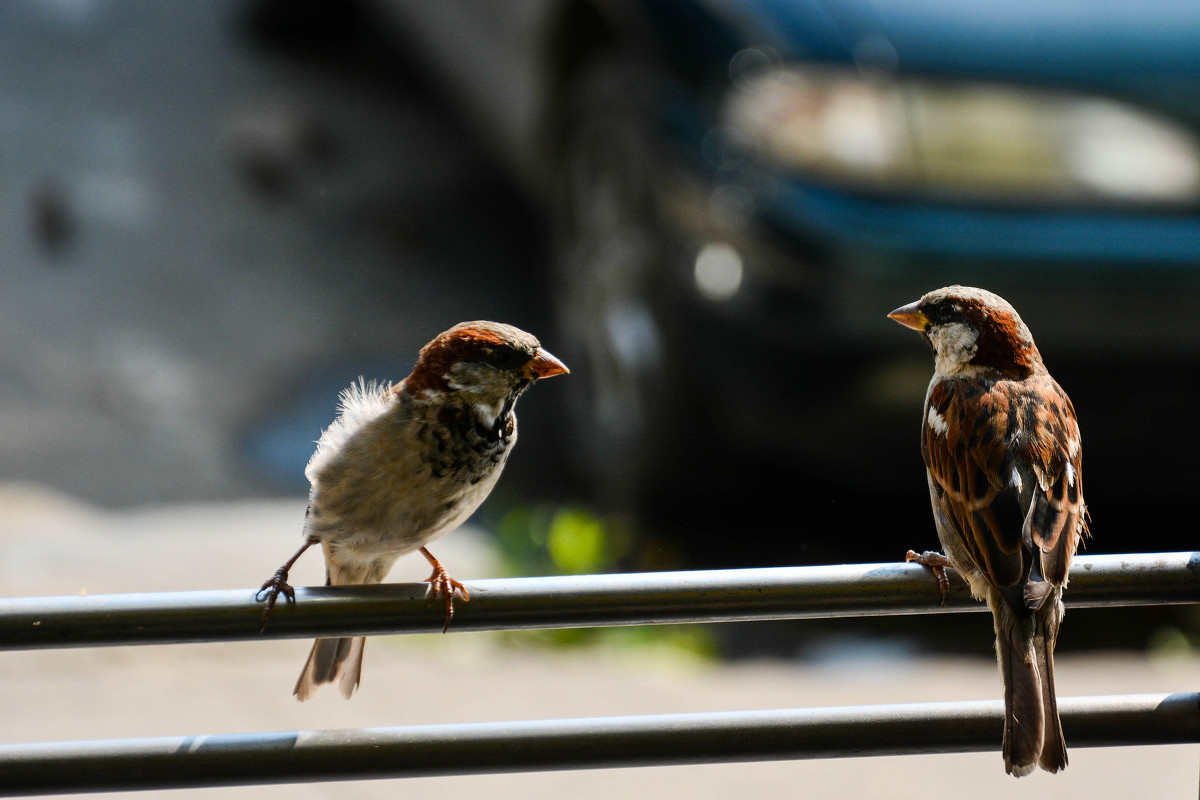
(1003, 459)
(403, 465)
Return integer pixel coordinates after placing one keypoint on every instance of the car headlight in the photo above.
(975, 140)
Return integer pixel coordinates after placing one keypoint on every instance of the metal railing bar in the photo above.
(564, 602)
(639, 741)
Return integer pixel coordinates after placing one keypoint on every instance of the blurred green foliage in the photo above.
(550, 539)
(560, 540)
(1177, 639)
(678, 643)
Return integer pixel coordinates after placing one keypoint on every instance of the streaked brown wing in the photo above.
(1057, 516)
(963, 437)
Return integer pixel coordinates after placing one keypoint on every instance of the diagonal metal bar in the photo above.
(502, 747)
(563, 602)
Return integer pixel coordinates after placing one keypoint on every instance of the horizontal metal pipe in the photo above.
(564, 602)
(501, 747)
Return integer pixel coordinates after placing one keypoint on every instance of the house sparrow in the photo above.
(403, 465)
(1003, 460)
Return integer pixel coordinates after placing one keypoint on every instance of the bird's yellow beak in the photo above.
(910, 317)
(543, 365)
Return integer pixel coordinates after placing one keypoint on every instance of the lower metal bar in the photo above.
(504, 747)
(564, 602)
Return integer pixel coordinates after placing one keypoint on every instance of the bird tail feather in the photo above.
(339, 660)
(1054, 745)
(332, 661)
(1024, 711)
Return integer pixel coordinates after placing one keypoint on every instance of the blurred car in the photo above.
(740, 191)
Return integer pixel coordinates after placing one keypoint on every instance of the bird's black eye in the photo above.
(945, 310)
(507, 357)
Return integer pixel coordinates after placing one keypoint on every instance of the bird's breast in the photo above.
(403, 482)
(462, 446)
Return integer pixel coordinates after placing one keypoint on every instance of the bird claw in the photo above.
(440, 583)
(937, 563)
(273, 587)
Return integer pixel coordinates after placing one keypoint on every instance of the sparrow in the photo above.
(1003, 458)
(404, 464)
